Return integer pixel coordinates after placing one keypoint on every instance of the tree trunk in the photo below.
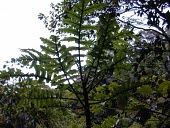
(87, 110)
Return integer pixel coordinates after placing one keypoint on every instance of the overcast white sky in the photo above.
(20, 26)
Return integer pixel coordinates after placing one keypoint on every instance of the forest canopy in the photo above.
(105, 65)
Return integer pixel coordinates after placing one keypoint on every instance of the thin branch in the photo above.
(141, 28)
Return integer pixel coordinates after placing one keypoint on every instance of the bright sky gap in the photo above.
(20, 26)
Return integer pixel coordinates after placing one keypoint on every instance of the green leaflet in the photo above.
(54, 38)
(123, 42)
(70, 39)
(91, 9)
(77, 55)
(30, 53)
(69, 30)
(47, 50)
(73, 71)
(100, 89)
(74, 15)
(71, 22)
(58, 77)
(89, 27)
(87, 43)
(73, 48)
(113, 86)
(78, 8)
(47, 41)
(108, 122)
(163, 87)
(145, 90)
(100, 96)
